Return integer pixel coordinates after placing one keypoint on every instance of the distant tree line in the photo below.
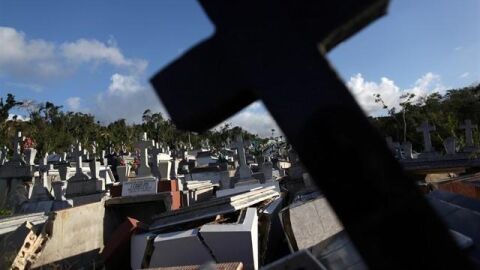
(54, 130)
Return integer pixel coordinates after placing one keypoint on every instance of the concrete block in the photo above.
(138, 246)
(310, 223)
(245, 188)
(234, 242)
(178, 249)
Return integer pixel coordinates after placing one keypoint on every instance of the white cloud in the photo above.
(427, 84)
(28, 60)
(84, 51)
(73, 103)
(22, 58)
(458, 48)
(464, 75)
(126, 97)
(364, 91)
(255, 119)
(124, 85)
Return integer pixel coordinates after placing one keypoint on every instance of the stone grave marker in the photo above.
(3, 155)
(425, 129)
(15, 177)
(407, 150)
(41, 187)
(244, 171)
(469, 143)
(144, 182)
(155, 152)
(144, 144)
(450, 146)
(267, 169)
(80, 184)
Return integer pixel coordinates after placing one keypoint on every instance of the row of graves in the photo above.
(59, 181)
(451, 158)
(159, 207)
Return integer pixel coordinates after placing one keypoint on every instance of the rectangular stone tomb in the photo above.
(140, 187)
(179, 249)
(243, 236)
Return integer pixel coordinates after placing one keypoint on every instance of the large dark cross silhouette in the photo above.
(274, 51)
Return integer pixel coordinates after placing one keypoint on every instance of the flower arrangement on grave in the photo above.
(29, 143)
(134, 164)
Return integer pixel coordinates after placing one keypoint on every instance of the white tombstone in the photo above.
(3, 155)
(267, 169)
(144, 183)
(17, 147)
(244, 236)
(468, 127)
(450, 146)
(77, 155)
(138, 248)
(161, 162)
(30, 154)
(40, 190)
(122, 172)
(407, 150)
(144, 144)
(425, 129)
(243, 169)
(80, 184)
(190, 247)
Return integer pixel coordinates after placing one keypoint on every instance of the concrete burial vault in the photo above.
(275, 51)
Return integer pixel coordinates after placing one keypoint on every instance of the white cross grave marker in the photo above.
(144, 144)
(468, 127)
(425, 129)
(239, 144)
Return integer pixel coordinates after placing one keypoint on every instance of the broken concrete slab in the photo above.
(213, 207)
(272, 242)
(307, 223)
(245, 188)
(138, 248)
(10, 224)
(179, 248)
(243, 236)
(88, 222)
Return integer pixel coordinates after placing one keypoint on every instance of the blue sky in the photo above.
(97, 56)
